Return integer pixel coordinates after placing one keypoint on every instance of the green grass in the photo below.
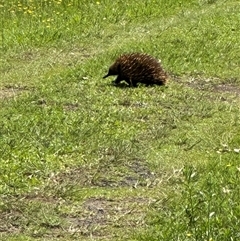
(82, 159)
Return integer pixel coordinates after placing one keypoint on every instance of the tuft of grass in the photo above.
(209, 209)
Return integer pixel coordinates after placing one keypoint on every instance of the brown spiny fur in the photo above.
(138, 68)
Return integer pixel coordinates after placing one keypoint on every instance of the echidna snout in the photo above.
(108, 74)
(105, 76)
(113, 70)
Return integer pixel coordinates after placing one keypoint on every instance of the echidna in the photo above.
(138, 68)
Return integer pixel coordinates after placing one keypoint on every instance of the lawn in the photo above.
(82, 159)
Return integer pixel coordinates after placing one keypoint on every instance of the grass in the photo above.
(82, 159)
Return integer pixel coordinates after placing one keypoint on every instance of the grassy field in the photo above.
(82, 159)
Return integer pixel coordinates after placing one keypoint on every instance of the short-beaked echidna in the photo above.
(138, 68)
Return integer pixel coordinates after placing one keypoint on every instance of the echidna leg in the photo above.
(118, 80)
(132, 83)
(128, 81)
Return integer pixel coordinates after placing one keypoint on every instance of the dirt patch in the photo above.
(17, 212)
(54, 210)
(71, 106)
(101, 215)
(66, 208)
(106, 174)
(227, 88)
(12, 91)
(97, 218)
(210, 84)
(8, 93)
